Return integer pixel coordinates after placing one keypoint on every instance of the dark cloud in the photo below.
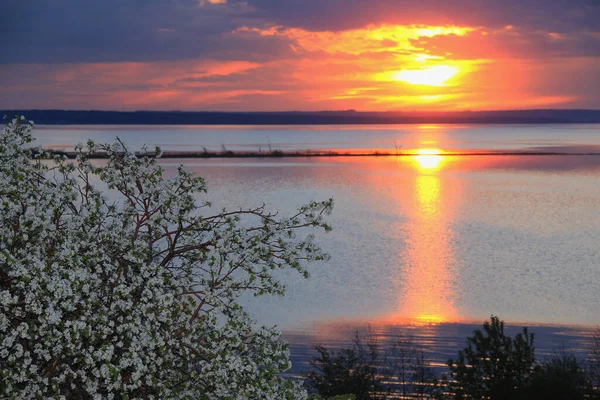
(62, 31)
(561, 15)
(512, 43)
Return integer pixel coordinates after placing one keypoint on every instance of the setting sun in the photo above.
(432, 76)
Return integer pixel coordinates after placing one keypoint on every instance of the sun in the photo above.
(432, 76)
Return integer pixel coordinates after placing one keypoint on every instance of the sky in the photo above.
(303, 55)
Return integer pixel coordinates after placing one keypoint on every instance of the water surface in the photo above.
(433, 239)
(431, 244)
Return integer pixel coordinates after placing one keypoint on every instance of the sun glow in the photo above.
(428, 158)
(432, 76)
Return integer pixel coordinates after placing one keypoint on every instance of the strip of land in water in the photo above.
(326, 153)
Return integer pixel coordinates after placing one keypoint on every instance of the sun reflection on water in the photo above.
(428, 158)
(426, 193)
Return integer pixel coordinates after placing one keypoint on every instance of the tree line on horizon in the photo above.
(98, 117)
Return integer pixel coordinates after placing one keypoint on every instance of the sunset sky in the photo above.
(280, 55)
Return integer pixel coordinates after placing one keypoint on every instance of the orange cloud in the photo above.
(149, 73)
(205, 2)
(371, 39)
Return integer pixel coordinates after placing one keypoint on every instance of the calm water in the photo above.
(433, 239)
(428, 243)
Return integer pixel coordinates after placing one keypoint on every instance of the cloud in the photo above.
(512, 42)
(371, 39)
(73, 31)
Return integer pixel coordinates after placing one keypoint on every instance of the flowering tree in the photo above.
(135, 297)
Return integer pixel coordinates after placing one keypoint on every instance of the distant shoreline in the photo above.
(349, 117)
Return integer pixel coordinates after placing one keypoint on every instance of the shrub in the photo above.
(594, 362)
(560, 377)
(350, 371)
(493, 365)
